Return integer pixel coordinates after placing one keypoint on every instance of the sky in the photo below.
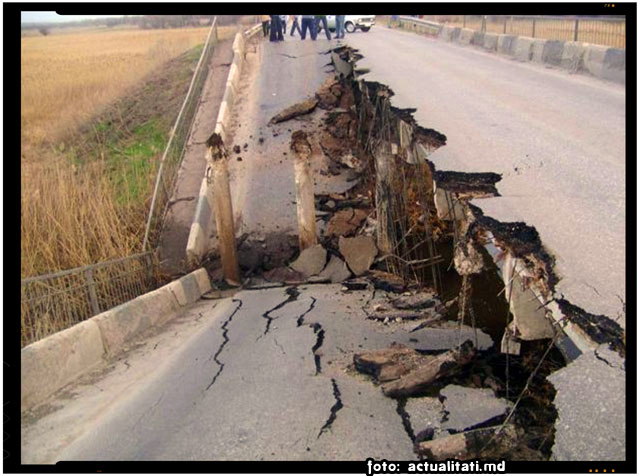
(45, 17)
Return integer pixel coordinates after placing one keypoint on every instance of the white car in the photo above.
(353, 22)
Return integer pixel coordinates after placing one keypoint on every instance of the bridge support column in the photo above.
(217, 159)
(304, 190)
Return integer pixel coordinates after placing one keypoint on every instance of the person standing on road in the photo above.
(340, 26)
(323, 19)
(265, 24)
(295, 25)
(308, 23)
(276, 29)
(283, 21)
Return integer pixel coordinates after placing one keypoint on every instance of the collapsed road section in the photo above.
(398, 149)
(402, 221)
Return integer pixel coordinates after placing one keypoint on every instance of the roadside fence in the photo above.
(174, 150)
(53, 302)
(603, 30)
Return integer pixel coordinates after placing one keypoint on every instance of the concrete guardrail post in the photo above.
(217, 158)
(304, 190)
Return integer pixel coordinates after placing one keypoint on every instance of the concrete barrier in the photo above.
(605, 63)
(523, 48)
(478, 38)
(490, 41)
(51, 363)
(601, 61)
(548, 52)
(449, 33)
(506, 44)
(57, 360)
(537, 50)
(573, 55)
(203, 224)
(465, 37)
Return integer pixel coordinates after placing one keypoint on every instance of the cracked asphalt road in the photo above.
(240, 387)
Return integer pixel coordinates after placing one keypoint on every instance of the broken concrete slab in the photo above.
(417, 380)
(359, 253)
(408, 372)
(345, 222)
(336, 270)
(299, 109)
(425, 414)
(311, 261)
(388, 364)
(468, 407)
(470, 444)
(590, 400)
(530, 317)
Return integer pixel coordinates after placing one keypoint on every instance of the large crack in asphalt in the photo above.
(406, 420)
(334, 409)
(300, 319)
(224, 343)
(293, 294)
(318, 331)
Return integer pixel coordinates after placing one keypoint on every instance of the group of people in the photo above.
(276, 26)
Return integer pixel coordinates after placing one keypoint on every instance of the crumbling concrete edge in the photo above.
(534, 266)
(57, 360)
(594, 341)
(202, 226)
(600, 61)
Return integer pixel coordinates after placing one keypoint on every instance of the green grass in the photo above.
(132, 160)
(130, 137)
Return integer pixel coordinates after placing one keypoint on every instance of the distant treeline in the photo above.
(144, 22)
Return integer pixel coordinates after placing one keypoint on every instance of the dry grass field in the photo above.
(81, 205)
(67, 78)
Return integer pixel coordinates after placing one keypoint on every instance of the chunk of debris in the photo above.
(406, 315)
(509, 344)
(467, 259)
(236, 149)
(388, 364)
(405, 372)
(345, 222)
(472, 184)
(469, 445)
(329, 93)
(355, 285)
(419, 379)
(283, 275)
(336, 270)
(468, 407)
(299, 109)
(311, 261)
(419, 300)
(359, 253)
(387, 281)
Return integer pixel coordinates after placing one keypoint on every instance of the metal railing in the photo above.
(53, 302)
(174, 150)
(607, 31)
